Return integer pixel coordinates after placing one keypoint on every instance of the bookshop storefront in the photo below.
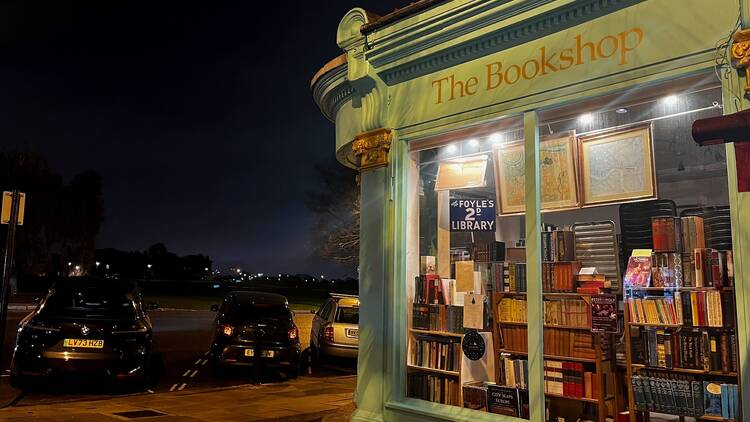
(541, 236)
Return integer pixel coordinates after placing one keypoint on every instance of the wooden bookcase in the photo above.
(697, 374)
(602, 363)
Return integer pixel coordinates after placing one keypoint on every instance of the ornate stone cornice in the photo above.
(371, 148)
(331, 89)
(389, 52)
(741, 53)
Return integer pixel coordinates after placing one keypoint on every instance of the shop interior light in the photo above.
(621, 110)
(670, 100)
(496, 138)
(586, 118)
(451, 149)
(473, 142)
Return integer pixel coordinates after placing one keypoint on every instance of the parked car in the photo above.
(257, 330)
(335, 328)
(85, 327)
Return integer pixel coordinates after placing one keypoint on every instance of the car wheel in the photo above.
(292, 374)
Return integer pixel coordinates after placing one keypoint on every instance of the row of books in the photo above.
(558, 245)
(689, 349)
(700, 268)
(502, 276)
(435, 388)
(430, 288)
(489, 252)
(669, 393)
(557, 342)
(446, 318)
(562, 378)
(559, 276)
(695, 308)
(677, 234)
(563, 312)
(436, 352)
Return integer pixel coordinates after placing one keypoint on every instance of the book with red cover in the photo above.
(638, 272)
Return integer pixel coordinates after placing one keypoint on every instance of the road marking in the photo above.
(4, 375)
(193, 374)
(182, 387)
(205, 361)
(206, 354)
(197, 362)
(186, 373)
(173, 387)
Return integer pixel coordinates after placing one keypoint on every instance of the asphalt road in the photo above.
(181, 340)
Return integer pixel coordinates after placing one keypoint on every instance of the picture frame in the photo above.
(617, 166)
(558, 174)
(462, 173)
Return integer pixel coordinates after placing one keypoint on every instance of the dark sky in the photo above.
(198, 116)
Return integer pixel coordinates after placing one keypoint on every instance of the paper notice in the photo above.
(474, 311)
(464, 276)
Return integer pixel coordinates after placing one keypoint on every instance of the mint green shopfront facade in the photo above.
(431, 76)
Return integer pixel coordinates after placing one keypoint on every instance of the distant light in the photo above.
(69, 263)
(452, 148)
(279, 275)
(474, 142)
(239, 270)
(496, 138)
(322, 276)
(670, 100)
(78, 267)
(97, 263)
(106, 266)
(149, 265)
(205, 269)
(216, 286)
(621, 110)
(585, 118)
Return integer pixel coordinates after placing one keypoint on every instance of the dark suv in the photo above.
(256, 330)
(85, 327)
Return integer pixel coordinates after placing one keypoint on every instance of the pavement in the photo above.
(304, 399)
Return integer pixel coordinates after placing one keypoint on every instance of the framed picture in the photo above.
(559, 187)
(462, 173)
(617, 166)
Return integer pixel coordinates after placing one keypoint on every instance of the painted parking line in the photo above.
(193, 374)
(205, 361)
(186, 373)
(173, 387)
(182, 387)
(197, 362)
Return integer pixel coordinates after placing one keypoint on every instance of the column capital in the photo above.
(371, 148)
(741, 53)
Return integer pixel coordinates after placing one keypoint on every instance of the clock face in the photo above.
(473, 345)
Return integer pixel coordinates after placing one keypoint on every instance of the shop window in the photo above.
(636, 273)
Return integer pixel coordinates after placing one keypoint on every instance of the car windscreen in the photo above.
(347, 315)
(96, 303)
(250, 312)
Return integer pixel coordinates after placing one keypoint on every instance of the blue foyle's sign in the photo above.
(472, 215)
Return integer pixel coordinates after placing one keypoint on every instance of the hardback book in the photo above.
(711, 398)
(638, 273)
(667, 234)
(475, 395)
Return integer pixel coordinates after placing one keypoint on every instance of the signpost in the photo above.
(473, 215)
(12, 215)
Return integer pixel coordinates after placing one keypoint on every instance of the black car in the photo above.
(85, 327)
(257, 330)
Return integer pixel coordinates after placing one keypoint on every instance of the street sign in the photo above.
(473, 215)
(7, 202)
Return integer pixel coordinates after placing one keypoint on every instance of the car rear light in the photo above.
(293, 333)
(328, 333)
(227, 330)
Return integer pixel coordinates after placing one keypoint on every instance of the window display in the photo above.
(636, 273)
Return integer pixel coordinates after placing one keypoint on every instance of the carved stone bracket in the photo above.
(741, 53)
(371, 148)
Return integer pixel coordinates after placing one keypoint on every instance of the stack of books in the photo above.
(446, 318)
(683, 395)
(562, 378)
(435, 388)
(436, 352)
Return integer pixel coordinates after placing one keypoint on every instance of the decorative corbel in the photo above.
(741, 53)
(371, 148)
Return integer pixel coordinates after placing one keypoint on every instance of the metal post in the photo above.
(10, 242)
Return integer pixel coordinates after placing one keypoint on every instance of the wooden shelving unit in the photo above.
(410, 366)
(602, 363)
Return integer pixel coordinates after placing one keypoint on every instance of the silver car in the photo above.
(335, 328)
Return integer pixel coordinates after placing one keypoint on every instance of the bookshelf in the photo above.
(680, 321)
(598, 362)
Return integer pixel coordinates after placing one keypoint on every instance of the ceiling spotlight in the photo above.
(496, 138)
(450, 149)
(585, 118)
(670, 100)
(621, 110)
(474, 142)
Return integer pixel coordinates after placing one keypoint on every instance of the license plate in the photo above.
(352, 333)
(86, 343)
(249, 352)
(268, 353)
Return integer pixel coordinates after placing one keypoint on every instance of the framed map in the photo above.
(617, 166)
(559, 187)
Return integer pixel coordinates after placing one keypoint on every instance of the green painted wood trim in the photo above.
(408, 410)
(734, 100)
(534, 304)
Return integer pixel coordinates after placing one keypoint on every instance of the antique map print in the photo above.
(617, 166)
(558, 176)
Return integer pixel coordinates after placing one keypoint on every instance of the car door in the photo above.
(319, 321)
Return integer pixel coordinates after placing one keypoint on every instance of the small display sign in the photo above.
(473, 215)
(503, 400)
(604, 314)
(473, 345)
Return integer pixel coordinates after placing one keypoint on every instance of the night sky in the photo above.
(199, 117)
